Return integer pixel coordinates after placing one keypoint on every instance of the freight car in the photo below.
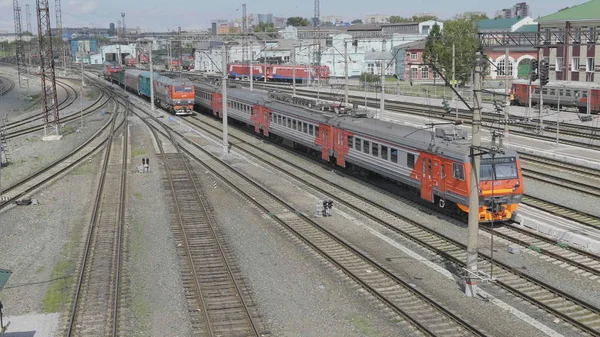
(571, 94)
(278, 73)
(174, 95)
(436, 168)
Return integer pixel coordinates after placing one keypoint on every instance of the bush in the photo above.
(369, 77)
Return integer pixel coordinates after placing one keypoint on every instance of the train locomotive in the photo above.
(174, 95)
(569, 93)
(431, 164)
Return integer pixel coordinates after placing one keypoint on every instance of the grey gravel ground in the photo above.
(40, 244)
(157, 298)
(548, 272)
(294, 293)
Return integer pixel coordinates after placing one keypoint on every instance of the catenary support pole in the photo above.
(506, 92)
(81, 106)
(250, 56)
(473, 230)
(294, 71)
(151, 77)
(224, 95)
(382, 100)
(454, 98)
(346, 103)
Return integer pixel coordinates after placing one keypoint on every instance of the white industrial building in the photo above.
(109, 54)
(365, 56)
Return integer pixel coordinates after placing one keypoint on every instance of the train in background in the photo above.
(570, 93)
(434, 165)
(174, 95)
(277, 72)
(109, 68)
(174, 63)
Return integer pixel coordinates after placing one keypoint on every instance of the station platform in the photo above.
(519, 112)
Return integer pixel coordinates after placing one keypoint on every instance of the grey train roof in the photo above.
(408, 136)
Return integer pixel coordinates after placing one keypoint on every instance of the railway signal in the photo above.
(544, 71)
(533, 75)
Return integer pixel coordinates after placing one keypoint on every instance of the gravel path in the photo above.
(560, 277)
(157, 299)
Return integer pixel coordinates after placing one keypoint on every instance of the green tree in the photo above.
(423, 18)
(398, 19)
(297, 21)
(357, 22)
(434, 47)
(464, 35)
(371, 78)
(562, 9)
(265, 27)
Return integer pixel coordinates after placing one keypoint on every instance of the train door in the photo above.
(438, 175)
(426, 177)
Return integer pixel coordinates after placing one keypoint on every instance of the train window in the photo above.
(366, 146)
(423, 165)
(410, 160)
(536, 91)
(384, 152)
(272, 118)
(316, 132)
(568, 93)
(394, 155)
(584, 94)
(310, 129)
(304, 127)
(294, 124)
(561, 92)
(350, 142)
(279, 119)
(357, 143)
(458, 171)
(429, 170)
(284, 120)
(443, 171)
(375, 149)
(553, 92)
(289, 123)
(544, 91)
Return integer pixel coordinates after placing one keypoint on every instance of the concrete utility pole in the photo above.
(224, 97)
(346, 74)
(382, 101)
(266, 62)
(454, 98)
(506, 91)
(82, 78)
(151, 77)
(251, 70)
(473, 232)
(294, 70)
(81, 106)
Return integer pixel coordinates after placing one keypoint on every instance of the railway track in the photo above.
(7, 85)
(51, 172)
(526, 129)
(217, 302)
(422, 312)
(102, 100)
(95, 309)
(556, 302)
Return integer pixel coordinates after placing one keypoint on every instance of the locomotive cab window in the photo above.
(410, 160)
(458, 171)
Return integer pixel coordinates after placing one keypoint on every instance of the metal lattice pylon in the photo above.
(4, 142)
(59, 32)
(20, 53)
(49, 97)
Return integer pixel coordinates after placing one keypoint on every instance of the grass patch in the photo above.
(92, 94)
(138, 195)
(40, 270)
(63, 274)
(364, 326)
(83, 169)
(138, 152)
(67, 130)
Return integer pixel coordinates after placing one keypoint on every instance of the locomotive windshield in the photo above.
(498, 169)
(183, 89)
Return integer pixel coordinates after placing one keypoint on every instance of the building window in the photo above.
(590, 64)
(575, 64)
(414, 56)
(425, 73)
(559, 63)
(371, 68)
(501, 65)
(414, 73)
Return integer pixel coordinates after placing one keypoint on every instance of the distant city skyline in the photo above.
(155, 15)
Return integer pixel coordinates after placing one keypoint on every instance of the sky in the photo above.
(157, 15)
